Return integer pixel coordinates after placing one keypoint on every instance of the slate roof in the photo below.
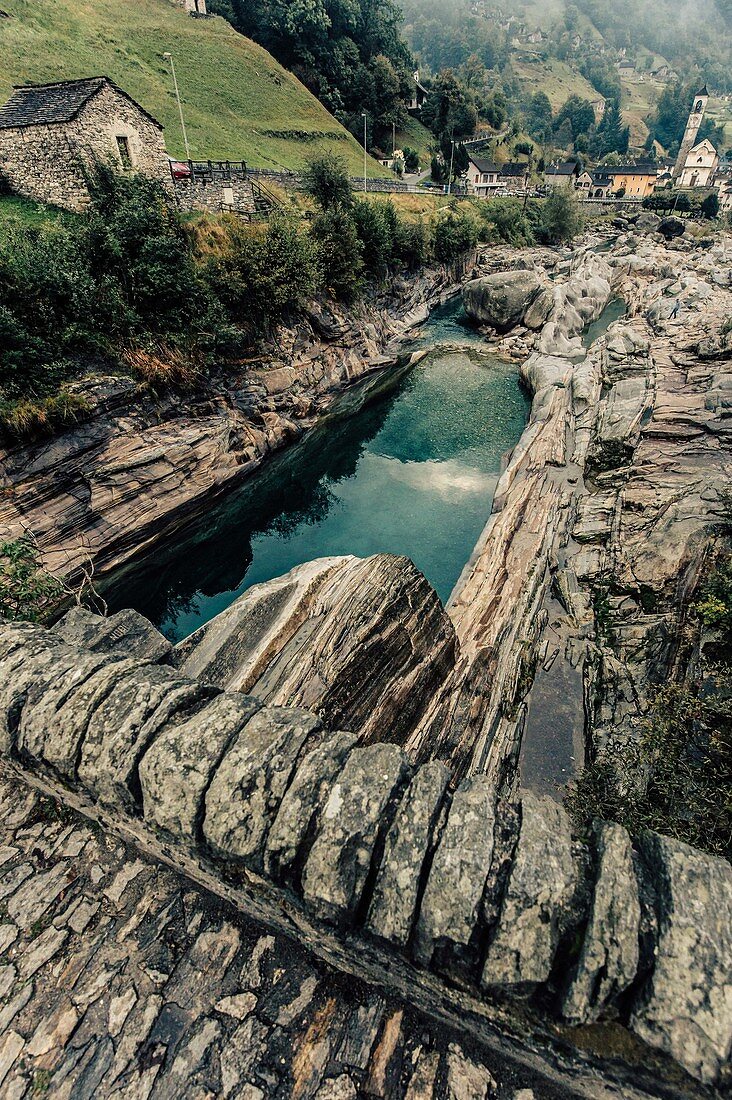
(566, 168)
(44, 104)
(514, 168)
(649, 169)
(484, 165)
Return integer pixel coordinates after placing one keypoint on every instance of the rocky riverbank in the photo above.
(143, 464)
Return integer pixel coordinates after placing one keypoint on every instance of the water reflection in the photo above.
(412, 473)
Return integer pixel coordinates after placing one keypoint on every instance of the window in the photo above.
(123, 148)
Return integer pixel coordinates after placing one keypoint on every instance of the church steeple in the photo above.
(696, 116)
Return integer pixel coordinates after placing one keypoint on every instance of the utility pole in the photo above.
(169, 57)
(365, 154)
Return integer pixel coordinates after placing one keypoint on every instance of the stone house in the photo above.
(51, 133)
(194, 7)
(563, 174)
(514, 175)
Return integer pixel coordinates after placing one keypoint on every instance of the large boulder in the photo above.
(671, 227)
(364, 643)
(500, 300)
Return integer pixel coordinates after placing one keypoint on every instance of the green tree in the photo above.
(326, 180)
(340, 252)
(710, 206)
(561, 218)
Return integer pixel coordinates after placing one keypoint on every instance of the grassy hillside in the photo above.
(239, 103)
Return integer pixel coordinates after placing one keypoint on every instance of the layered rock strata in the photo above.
(489, 893)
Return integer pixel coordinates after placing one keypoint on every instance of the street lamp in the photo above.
(169, 57)
(365, 154)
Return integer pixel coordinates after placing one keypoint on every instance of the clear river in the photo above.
(412, 472)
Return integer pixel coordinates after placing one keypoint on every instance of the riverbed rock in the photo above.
(300, 808)
(394, 902)
(126, 634)
(176, 770)
(27, 658)
(451, 906)
(608, 962)
(351, 823)
(538, 896)
(671, 228)
(500, 300)
(685, 1007)
(250, 782)
(361, 642)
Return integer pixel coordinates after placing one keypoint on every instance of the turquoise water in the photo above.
(413, 472)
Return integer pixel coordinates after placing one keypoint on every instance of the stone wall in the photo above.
(46, 163)
(493, 894)
(217, 193)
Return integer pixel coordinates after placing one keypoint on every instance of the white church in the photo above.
(697, 161)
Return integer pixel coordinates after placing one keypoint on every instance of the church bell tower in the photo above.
(698, 107)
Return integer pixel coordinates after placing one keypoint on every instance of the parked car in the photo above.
(179, 169)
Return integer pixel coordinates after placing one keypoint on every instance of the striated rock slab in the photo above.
(685, 1008)
(126, 634)
(540, 889)
(25, 658)
(350, 825)
(608, 962)
(176, 770)
(251, 780)
(362, 642)
(451, 905)
(303, 801)
(396, 892)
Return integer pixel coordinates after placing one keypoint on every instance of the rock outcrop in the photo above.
(363, 643)
(381, 849)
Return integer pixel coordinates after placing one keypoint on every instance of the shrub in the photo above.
(340, 253)
(29, 419)
(27, 592)
(326, 180)
(375, 227)
(710, 206)
(456, 232)
(561, 218)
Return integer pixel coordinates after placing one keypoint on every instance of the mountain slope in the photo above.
(239, 103)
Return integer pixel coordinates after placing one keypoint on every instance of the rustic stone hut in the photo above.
(50, 132)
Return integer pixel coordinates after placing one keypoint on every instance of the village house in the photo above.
(514, 175)
(419, 95)
(50, 134)
(635, 180)
(194, 7)
(699, 166)
(563, 174)
(483, 176)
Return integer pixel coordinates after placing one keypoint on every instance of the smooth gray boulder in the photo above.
(351, 823)
(394, 902)
(250, 782)
(500, 300)
(176, 769)
(539, 309)
(451, 906)
(608, 961)
(126, 633)
(685, 1007)
(538, 897)
(316, 772)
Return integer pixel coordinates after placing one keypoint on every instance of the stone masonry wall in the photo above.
(46, 163)
(233, 194)
(496, 896)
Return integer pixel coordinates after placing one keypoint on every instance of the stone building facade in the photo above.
(51, 133)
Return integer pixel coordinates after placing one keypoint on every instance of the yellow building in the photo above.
(637, 180)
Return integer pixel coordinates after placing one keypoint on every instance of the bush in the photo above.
(561, 218)
(375, 224)
(340, 253)
(326, 180)
(265, 273)
(507, 221)
(710, 206)
(27, 592)
(28, 419)
(455, 233)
